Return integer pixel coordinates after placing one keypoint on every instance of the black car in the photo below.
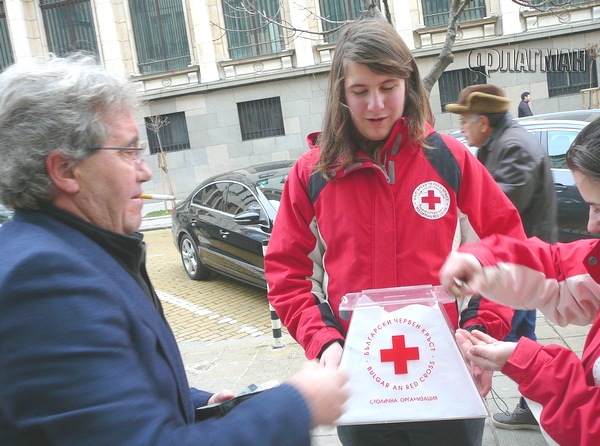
(225, 223)
(556, 137)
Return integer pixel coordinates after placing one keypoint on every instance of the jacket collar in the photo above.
(399, 139)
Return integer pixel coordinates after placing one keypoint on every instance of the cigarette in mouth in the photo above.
(156, 197)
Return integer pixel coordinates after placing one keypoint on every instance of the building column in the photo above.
(22, 21)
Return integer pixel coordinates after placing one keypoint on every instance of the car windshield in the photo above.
(271, 185)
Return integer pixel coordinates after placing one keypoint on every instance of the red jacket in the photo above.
(562, 281)
(368, 229)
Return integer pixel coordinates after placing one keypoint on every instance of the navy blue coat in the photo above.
(85, 358)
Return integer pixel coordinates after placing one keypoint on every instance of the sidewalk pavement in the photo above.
(149, 224)
(235, 364)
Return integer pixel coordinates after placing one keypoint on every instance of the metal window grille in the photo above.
(437, 12)
(335, 13)
(253, 27)
(172, 136)
(452, 82)
(6, 54)
(261, 118)
(160, 35)
(69, 26)
(546, 4)
(567, 73)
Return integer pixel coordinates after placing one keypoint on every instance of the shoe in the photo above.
(520, 418)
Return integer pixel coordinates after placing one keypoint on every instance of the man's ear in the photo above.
(61, 172)
(485, 123)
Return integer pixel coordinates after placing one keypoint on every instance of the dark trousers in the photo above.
(523, 324)
(426, 433)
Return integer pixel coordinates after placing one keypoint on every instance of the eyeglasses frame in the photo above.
(143, 145)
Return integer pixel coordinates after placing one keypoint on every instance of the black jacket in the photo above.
(524, 109)
(520, 165)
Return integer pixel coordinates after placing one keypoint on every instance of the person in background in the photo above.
(524, 109)
(520, 165)
(562, 280)
(87, 357)
(379, 200)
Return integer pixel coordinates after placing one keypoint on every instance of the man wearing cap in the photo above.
(520, 165)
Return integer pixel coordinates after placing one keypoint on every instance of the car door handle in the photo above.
(559, 187)
(223, 233)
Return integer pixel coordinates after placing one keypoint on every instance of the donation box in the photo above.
(402, 359)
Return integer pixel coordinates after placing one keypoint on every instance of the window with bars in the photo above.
(69, 26)
(261, 118)
(6, 54)
(253, 28)
(437, 12)
(569, 72)
(167, 131)
(160, 35)
(451, 84)
(549, 4)
(335, 13)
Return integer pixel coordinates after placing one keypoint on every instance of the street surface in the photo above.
(213, 310)
(224, 332)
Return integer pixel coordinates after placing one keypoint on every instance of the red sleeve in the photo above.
(554, 377)
(291, 261)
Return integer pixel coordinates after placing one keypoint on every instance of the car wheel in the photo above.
(191, 262)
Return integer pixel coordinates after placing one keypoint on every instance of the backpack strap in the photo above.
(439, 155)
(443, 161)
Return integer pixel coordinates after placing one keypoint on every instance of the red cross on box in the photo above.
(399, 354)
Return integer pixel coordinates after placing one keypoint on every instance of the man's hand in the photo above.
(323, 390)
(483, 352)
(219, 397)
(489, 353)
(461, 274)
(332, 356)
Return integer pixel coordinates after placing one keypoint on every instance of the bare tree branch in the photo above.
(446, 57)
(154, 124)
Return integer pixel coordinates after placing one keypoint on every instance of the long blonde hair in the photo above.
(376, 44)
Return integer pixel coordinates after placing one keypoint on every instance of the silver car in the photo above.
(556, 137)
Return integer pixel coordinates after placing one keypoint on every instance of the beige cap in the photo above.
(480, 99)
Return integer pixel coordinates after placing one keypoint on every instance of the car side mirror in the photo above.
(247, 218)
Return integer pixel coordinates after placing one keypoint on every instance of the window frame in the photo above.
(342, 10)
(160, 31)
(563, 82)
(6, 50)
(436, 12)
(59, 35)
(172, 139)
(456, 85)
(261, 118)
(246, 32)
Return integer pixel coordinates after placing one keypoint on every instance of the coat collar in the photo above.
(399, 139)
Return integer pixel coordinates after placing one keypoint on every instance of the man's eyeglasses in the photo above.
(133, 154)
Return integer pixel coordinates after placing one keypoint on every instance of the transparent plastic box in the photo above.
(392, 298)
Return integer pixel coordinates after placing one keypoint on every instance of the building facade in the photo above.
(229, 83)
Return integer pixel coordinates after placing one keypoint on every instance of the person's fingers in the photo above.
(219, 397)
